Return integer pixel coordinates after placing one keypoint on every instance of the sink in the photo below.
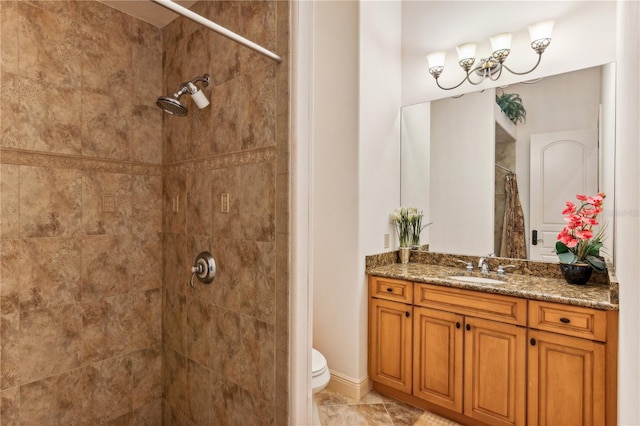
(477, 280)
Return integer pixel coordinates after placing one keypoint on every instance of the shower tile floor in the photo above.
(372, 410)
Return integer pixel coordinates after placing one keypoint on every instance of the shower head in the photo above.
(172, 105)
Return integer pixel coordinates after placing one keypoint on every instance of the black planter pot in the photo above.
(576, 273)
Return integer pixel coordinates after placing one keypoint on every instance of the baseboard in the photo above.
(347, 386)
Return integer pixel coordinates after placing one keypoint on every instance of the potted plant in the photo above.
(402, 223)
(511, 105)
(578, 247)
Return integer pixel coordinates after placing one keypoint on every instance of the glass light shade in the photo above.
(541, 30)
(466, 51)
(436, 59)
(501, 42)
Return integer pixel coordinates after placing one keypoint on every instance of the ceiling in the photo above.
(147, 11)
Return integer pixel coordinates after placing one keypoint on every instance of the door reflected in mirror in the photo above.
(457, 153)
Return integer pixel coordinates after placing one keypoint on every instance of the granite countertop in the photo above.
(552, 289)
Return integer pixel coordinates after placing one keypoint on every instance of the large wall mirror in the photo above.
(457, 154)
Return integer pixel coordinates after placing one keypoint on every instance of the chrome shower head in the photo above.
(171, 106)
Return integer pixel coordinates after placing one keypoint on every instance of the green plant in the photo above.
(511, 105)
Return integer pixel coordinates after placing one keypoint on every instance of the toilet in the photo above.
(320, 376)
(319, 371)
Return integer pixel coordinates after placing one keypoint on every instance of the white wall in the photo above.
(355, 168)
(335, 251)
(583, 36)
(379, 167)
(415, 159)
(462, 174)
(627, 232)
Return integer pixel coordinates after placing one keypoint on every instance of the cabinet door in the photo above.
(437, 357)
(495, 368)
(566, 380)
(390, 344)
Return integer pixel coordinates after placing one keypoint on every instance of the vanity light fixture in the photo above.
(491, 67)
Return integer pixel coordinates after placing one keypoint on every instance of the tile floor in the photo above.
(373, 410)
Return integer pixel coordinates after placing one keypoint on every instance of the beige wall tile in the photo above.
(107, 388)
(145, 260)
(175, 375)
(106, 125)
(51, 274)
(198, 203)
(10, 355)
(106, 203)
(50, 202)
(234, 405)
(257, 201)
(59, 58)
(50, 342)
(174, 321)
(174, 203)
(146, 324)
(199, 399)
(146, 203)
(175, 264)
(9, 201)
(146, 372)
(12, 265)
(105, 266)
(10, 407)
(226, 181)
(52, 401)
(106, 327)
(200, 345)
(149, 414)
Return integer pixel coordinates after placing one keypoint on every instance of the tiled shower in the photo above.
(105, 202)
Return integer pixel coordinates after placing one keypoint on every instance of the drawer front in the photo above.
(568, 320)
(511, 310)
(391, 289)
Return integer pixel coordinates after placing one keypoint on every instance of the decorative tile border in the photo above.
(41, 159)
(253, 156)
(61, 161)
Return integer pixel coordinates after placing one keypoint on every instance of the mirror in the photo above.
(455, 154)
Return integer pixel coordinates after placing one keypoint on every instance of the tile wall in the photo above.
(225, 344)
(80, 216)
(104, 203)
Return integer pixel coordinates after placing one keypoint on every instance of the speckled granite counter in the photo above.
(596, 295)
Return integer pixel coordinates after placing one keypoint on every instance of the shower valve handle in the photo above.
(204, 268)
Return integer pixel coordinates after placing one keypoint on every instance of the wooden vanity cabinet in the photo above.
(487, 359)
(465, 359)
(390, 332)
(571, 355)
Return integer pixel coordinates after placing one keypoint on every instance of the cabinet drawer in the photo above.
(391, 289)
(568, 320)
(511, 310)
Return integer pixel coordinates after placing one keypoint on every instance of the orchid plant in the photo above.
(408, 223)
(577, 242)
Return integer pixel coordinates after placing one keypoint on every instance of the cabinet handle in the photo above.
(468, 327)
(533, 342)
(389, 289)
(406, 314)
(457, 324)
(565, 320)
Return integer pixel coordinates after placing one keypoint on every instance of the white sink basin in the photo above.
(477, 280)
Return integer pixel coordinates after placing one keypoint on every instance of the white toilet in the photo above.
(320, 376)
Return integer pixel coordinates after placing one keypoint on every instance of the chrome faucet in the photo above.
(483, 265)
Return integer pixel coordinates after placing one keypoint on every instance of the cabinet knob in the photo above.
(533, 341)
(565, 320)
(468, 327)
(406, 314)
(389, 289)
(457, 324)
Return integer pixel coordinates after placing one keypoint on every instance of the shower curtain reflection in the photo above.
(513, 242)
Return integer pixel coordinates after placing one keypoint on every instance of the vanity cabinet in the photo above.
(567, 365)
(488, 359)
(470, 353)
(390, 332)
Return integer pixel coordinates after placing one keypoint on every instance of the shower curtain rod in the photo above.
(181, 10)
